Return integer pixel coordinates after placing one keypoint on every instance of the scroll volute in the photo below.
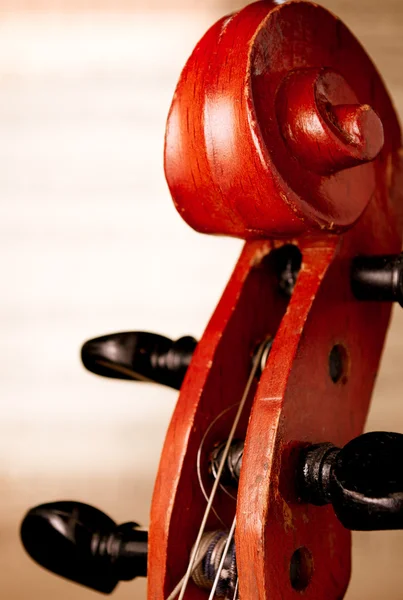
(275, 121)
(280, 131)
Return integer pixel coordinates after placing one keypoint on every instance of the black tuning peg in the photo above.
(378, 278)
(363, 481)
(81, 543)
(140, 356)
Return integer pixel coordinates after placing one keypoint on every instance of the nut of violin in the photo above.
(324, 134)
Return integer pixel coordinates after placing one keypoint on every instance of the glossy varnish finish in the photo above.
(228, 165)
(214, 383)
(275, 133)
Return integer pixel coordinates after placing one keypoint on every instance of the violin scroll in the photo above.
(267, 144)
(281, 132)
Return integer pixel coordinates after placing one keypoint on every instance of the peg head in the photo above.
(81, 543)
(363, 481)
(367, 482)
(139, 356)
(59, 537)
(378, 278)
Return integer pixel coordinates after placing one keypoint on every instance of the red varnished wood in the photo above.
(280, 129)
(297, 403)
(323, 124)
(215, 381)
(228, 166)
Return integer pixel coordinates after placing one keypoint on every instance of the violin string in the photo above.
(177, 588)
(234, 597)
(224, 489)
(223, 557)
(198, 462)
(255, 366)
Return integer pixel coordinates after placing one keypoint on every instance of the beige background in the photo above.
(90, 243)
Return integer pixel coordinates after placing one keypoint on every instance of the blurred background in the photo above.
(90, 243)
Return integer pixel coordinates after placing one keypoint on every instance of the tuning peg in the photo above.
(378, 278)
(81, 543)
(140, 356)
(363, 481)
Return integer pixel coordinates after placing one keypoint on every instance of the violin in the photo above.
(281, 132)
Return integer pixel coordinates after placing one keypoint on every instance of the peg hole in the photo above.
(301, 569)
(287, 260)
(338, 362)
